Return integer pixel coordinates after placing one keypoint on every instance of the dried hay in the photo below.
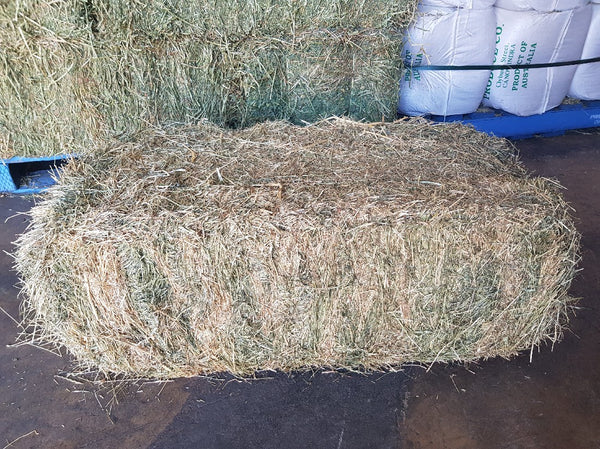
(77, 73)
(340, 244)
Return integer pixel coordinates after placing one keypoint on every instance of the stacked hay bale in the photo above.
(74, 73)
(340, 244)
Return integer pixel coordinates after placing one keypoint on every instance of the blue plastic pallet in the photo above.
(555, 122)
(28, 175)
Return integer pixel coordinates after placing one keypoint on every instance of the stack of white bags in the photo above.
(499, 32)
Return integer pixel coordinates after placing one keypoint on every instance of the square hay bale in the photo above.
(78, 73)
(341, 244)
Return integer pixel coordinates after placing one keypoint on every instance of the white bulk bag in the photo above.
(472, 4)
(533, 37)
(446, 36)
(541, 5)
(586, 81)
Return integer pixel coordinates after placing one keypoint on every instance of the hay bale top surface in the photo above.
(336, 170)
(343, 244)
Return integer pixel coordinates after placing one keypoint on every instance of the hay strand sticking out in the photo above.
(342, 244)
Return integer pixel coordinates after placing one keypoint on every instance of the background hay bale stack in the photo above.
(75, 73)
(340, 244)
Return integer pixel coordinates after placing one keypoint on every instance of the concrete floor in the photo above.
(553, 402)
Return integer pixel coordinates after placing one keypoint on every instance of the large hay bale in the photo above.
(340, 244)
(75, 73)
